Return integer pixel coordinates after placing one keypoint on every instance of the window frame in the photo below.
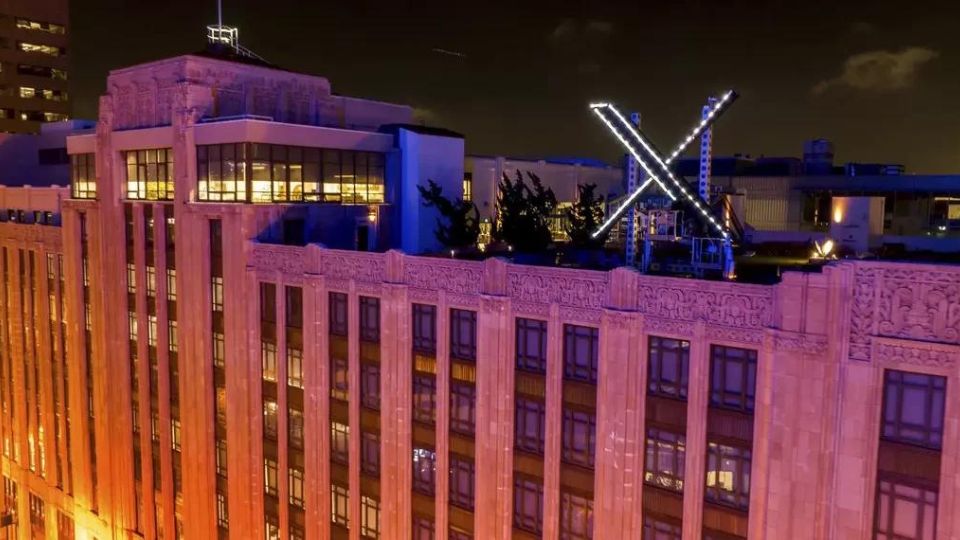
(575, 368)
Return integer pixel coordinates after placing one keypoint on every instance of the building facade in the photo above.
(34, 38)
(182, 357)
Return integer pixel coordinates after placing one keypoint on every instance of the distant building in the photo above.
(34, 59)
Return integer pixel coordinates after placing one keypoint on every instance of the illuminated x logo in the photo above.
(654, 164)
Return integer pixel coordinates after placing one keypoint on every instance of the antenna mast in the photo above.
(228, 36)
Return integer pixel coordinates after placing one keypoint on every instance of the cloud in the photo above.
(879, 71)
(570, 30)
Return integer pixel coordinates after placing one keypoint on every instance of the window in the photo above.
(340, 503)
(913, 408)
(218, 349)
(579, 437)
(50, 28)
(271, 528)
(424, 398)
(171, 284)
(369, 518)
(38, 48)
(270, 419)
(216, 293)
(654, 529)
(728, 475)
(270, 476)
(423, 528)
(457, 534)
(151, 330)
(339, 442)
(424, 470)
(424, 329)
(41, 71)
(528, 504)
(669, 367)
(221, 406)
(295, 480)
(295, 428)
(576, 517)
(370, 453)
(462, 473)
(531, 345)
(530, 424)
(253, 172)
(150, 174)
(338, 314)
(83, 176)
(370, 386)
(463, 407)
(268, 357)
(172, 343)
(904, 511)
(463, 334)
(733, 377)
(339, 381)
(222, 521)
(666, 452)
(468, 186)
(221, 458)
(294, 367)
(369, 319)
(175, 434)
(580, 351)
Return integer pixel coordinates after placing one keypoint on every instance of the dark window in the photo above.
(294, 307)
(295, 428)
(579, 437)
(669, 367)
(370, 385)
(457, 534)
(461, 481)
(666, 452)
(913, 408)
(733, 378)
(532, 345)
(423, 528)
(425, 329)
(530, 424)
(463, 407)
(905, 511)
(424, 470)
(728, 475)
(463, 334)
(581, 346)
(424, 398)
(528, 504)
(370, 453)
(53, 156)
(576, 517)
(338, 314)
(268, 302)
(369, 319)
(656, 529)
(339, 381)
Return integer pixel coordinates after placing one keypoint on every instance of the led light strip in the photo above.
(695, 201)
(705, 122)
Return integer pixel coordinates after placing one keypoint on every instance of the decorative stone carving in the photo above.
(809, 344)
(727, 304)
(575, 288)
(362, 267)
(750, 336)
(660, 325)
(888, 351)
(906, 301)
(459, 277)
(285, 259)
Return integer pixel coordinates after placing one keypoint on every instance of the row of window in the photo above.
(33, 116)
(40, 26)
(45, 72)
(39, 48)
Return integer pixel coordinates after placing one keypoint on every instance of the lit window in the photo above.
(294, 367)
(216, 293)
(171, 284)
(50, 28)
(468, 186)
(664, 464)
(48, 50)
(83, 176)
(728, 475)
(28, 92)
(172, 340)
(175, 434)
(218, 349)
(424, 470)
(270, 419)
(296, 487)
(149, 174)
(340, 507)
(339, 381)
(151, 281)
(268, 357)
(222, 521)
(270, 476)
(339, 442)
(221, 458)
(369, 518)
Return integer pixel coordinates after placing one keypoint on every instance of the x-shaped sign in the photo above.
(646, 153)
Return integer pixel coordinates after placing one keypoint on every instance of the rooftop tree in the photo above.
(459, 223)
(524, 212)
(585, 217)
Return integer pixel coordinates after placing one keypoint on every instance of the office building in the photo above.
(34, 60)
(194, 345)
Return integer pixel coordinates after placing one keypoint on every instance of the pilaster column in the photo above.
(695, 465)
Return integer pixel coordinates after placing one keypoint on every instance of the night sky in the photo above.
(879, 79)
